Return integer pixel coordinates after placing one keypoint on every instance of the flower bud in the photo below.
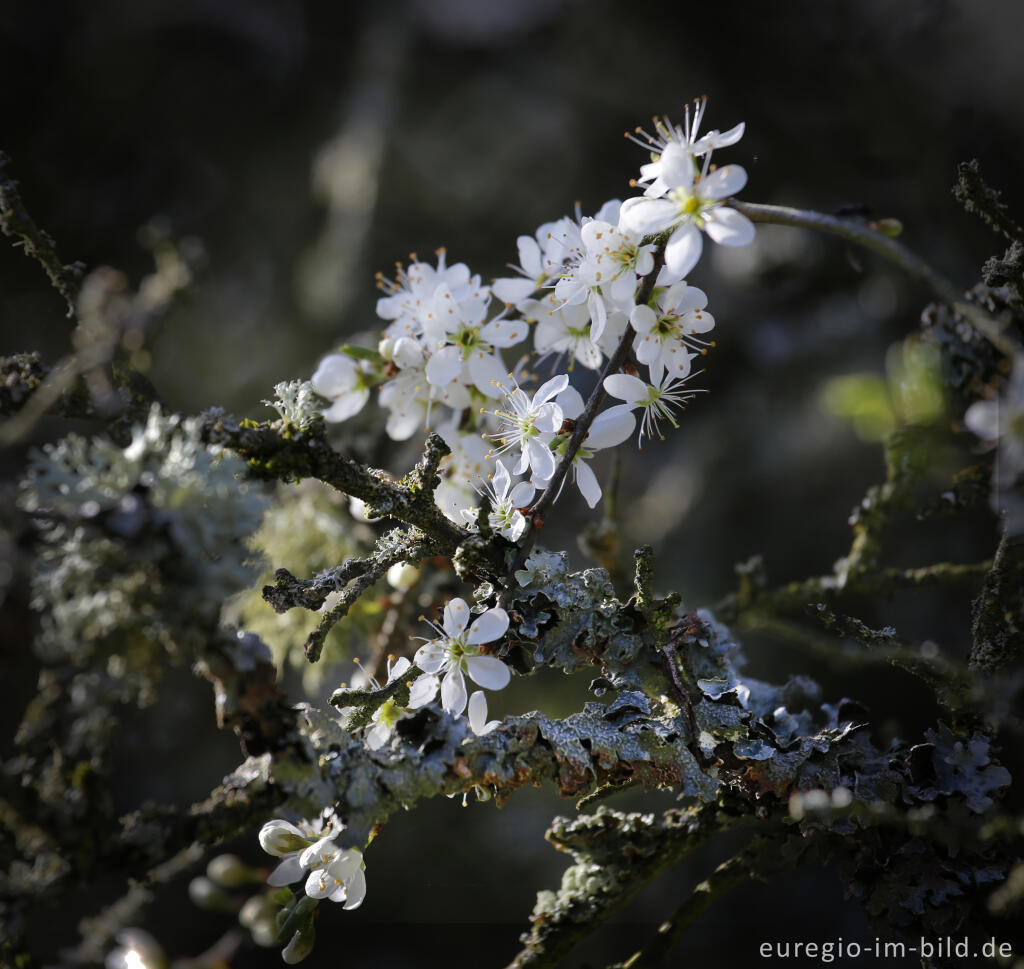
(386, 348)
(229, 871)
(402, 575)
(279, 838)
(300, 946)
(206, 895)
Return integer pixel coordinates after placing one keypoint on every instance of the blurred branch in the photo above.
(16, 223)
(748, 865)
(629, 850)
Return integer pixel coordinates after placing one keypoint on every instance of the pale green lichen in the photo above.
(139, 546)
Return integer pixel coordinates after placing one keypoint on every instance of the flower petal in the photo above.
(728, 227)
(684, 248)
(488, 671)
(335, 375)
(456, 615)
(477, 713)
(444, 366)
(488, 372)
(453, 693)
(626, 387)
(723, 182)
(431, 657)
(288, 871)
(488, 627)
(550, 388)
(587, 482)
(355, 888)
(347, 405)
(610, 427)
(423, 690)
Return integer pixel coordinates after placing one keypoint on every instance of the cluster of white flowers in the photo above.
(439, 363)
(309, 850)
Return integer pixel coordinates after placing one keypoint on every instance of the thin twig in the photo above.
(862, 234)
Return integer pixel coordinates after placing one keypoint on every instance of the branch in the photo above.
(863, 234)
(16, 223)
(615, 855)
(305, 452)
(745, 866)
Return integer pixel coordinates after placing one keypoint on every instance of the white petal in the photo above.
(570, 402)
(288, 871)
(407, 353)
(377, 736)
(477, 712)
(456, 615)
(643, 319)
(488, 627)
(683, 298)
(281, 838)
(488, 671)
(647, 215)
(431, 658)
(586, 480)
(400, 668)
(512, 289)
(541, 459)
(522, 494)
(723, 182)
(319, 884)
(683, 250)
(548, 418)
(501, 480)
(529, 256)
(677, 169)
(550, 388)
(598, 315)
(647, 350)
(423, 690)
(347, 405)
(355, 889)
(610, 427)
(504, 333)
(724, 139)
(402, 424)
(453, 693)
(444, 366)
(678, 363)
(729, 227)
(589, 354)
(626, 387)
(488, 373)
(335, 375)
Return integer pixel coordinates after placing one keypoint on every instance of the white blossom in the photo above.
(656, 400)
(456, 651)
(527, 426)
(387, 715)
(506, 499)
(343, 380)
(334, 873)
(477, 714)
(669, 330)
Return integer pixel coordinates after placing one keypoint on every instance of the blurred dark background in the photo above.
(308, 144)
